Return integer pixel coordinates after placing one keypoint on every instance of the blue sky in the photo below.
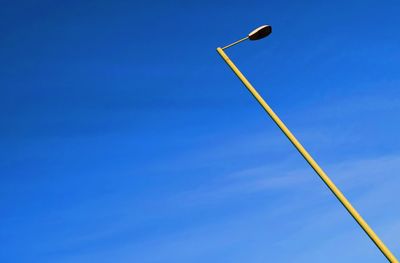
(125, 138)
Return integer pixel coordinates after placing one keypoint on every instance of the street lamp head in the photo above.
(256, 34)
(260, 32)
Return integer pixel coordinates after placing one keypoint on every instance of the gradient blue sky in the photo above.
(125, 138)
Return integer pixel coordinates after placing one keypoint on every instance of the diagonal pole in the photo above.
(339, 195)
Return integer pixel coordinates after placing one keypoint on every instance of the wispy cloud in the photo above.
(307, 226)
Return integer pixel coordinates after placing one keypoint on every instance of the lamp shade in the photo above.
(260, 32)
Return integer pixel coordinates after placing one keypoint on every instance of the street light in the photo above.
(262, 32)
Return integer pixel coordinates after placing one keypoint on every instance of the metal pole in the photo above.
(353, 212)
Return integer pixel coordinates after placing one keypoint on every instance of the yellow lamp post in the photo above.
(262, 32)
